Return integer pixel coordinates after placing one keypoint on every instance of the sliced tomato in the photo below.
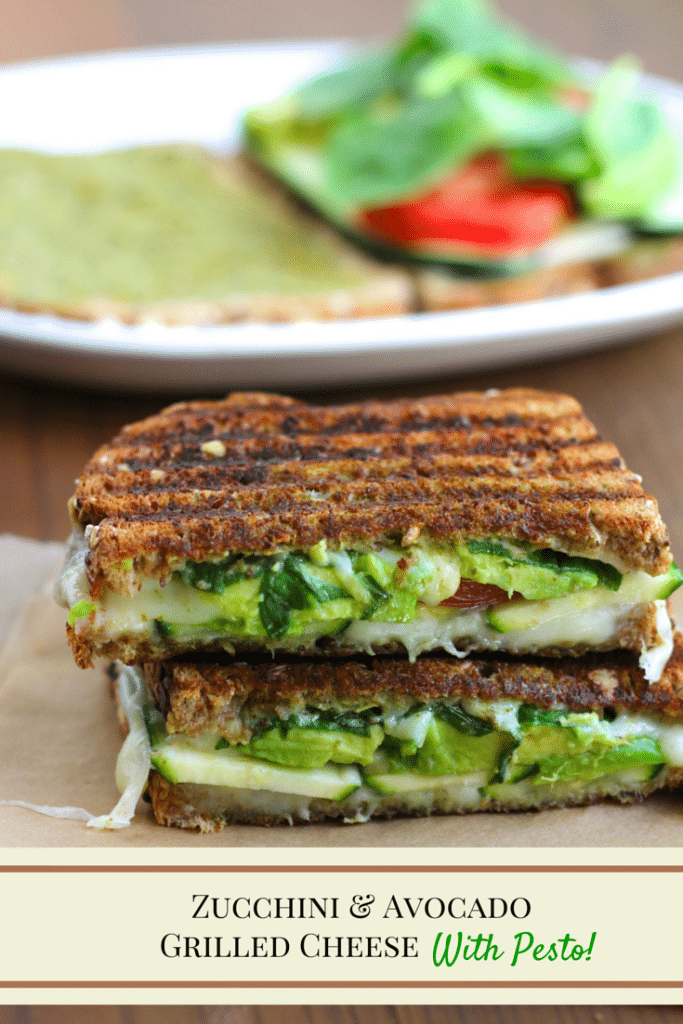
(471, 594)
(481, 208)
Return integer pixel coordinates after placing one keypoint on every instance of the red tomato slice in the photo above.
(479, 207)
(471, 594)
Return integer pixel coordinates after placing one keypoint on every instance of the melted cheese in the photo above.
(456, 631)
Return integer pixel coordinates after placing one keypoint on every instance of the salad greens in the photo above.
(461, 81)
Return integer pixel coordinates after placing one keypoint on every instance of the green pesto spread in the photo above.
(151, 224)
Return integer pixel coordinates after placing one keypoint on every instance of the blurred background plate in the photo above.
(197, 95)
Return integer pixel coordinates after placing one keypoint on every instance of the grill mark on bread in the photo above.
(442, 452)
(519, 464)
(180, 437)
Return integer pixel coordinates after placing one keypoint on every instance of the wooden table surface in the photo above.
(341, 1015)
(633, 393)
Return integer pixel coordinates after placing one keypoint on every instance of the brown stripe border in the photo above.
(342, 868)
(341, 984)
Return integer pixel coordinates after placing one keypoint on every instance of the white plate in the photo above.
(113, 100)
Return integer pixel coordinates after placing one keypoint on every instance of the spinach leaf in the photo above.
(504, 52)
(606, 124)
(505, 764)
(512, 118)
(321, 720)
(377, 158)
(156, 724)
(290, 583)
(213, 577)
(490, 547)
(632, 143)
(560, 563)
(557, 561)
(528, 714)
(455, 715)
(653, 162)
(378, 594)
(569, 161)
(351, 86)
(466, 25)
(280, 592)
(319, 589)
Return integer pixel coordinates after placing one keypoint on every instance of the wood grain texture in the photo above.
(340, 1015)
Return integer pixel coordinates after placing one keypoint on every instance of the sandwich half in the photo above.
(468, 522)
(307, 740)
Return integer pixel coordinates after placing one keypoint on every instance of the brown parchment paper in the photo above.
(59, 740)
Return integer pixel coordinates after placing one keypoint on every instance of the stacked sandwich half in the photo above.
(414, 607)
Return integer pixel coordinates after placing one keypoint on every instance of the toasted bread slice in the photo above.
(186, 504)
(255, 473)
(439, 290)
(645, 259)
(175, 235)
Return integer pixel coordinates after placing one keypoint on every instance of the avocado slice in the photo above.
(592, 764)
(312, 748)
(536, 575)
(636, 588)
(448, 751)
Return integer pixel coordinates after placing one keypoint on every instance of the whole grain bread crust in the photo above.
(195, 807)
(438, 290)
(201, 697)
(258, 473)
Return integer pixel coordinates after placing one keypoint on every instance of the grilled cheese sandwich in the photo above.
(469, 522)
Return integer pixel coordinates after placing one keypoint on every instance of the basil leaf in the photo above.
(512, 118)
(379, 158)
(455, 715)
